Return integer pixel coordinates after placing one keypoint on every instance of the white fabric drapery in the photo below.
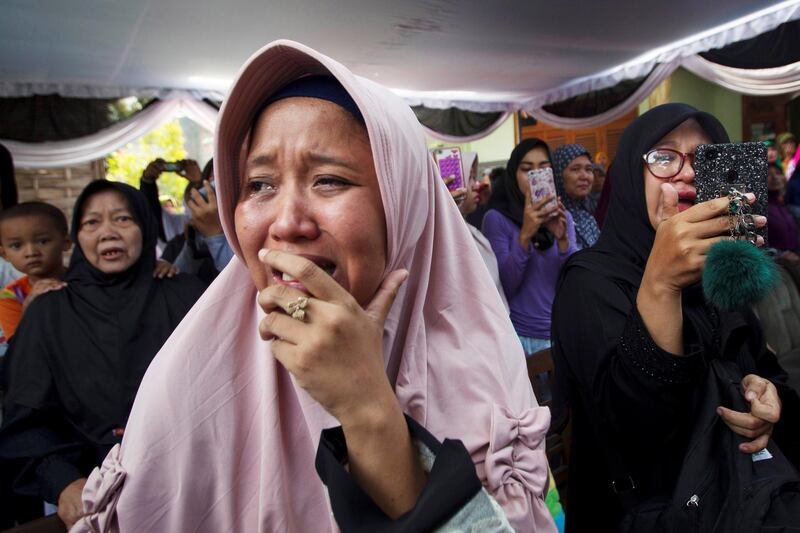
(659, 74)
(75, 90)
(738, 30)
(659, 63)
(759, 82)
(102, 143)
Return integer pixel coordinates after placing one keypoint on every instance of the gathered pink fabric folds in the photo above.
(221, 439)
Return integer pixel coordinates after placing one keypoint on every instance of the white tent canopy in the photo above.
(484, 56)
(479, 56)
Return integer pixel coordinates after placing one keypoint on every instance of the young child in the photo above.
(33, 238)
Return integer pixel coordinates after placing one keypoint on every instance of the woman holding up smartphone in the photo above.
(531, 241)
(633, 333)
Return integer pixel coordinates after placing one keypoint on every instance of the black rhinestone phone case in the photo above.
(743, 166)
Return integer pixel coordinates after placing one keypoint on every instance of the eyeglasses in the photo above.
(665, 163)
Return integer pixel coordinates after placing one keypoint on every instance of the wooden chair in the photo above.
(541, 373)
(48, 524)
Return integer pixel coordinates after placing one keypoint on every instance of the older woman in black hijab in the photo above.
(633, 334)
(79, 354)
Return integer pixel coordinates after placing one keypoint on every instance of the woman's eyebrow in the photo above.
(671, 142)
(312, 157)
(262, 159)
(99, 214)
(322, 159)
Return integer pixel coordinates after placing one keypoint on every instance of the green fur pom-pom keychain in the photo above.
(737, 274)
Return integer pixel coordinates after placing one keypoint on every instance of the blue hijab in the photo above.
(586, 230)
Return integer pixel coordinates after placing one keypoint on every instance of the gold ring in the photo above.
(297, 308)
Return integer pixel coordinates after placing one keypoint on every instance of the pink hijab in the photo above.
(221, 439)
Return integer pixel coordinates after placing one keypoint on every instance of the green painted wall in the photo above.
(724, 104)
(493, 148)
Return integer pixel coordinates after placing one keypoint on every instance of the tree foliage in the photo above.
(167, 142)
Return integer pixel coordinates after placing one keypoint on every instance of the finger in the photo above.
(547, 212)
(279, 297)
(755, 445)
(750, 433)
(711, 208)
(312, 278)
(542, 201)
(669, 202)
(286, 354)
(744, 421)
(763, 397)
(753, 387)
(382, 302)
(48, 289)
(279, 325)
(212, 194)
(449, 180)
(769, 412)
(705, 244)
(712, 227)
(197, 198)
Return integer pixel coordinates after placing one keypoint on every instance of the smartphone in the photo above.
(449, 162)
(174, 166)
(542, 185)
(203, 192)
(720, 167)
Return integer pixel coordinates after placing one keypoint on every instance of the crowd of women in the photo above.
(361, 362)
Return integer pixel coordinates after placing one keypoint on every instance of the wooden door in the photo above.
(763, 117)
(601, 139)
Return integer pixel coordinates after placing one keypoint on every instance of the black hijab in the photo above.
(603, 355)
(621, 253)
(77, 359)
(509, 200)
(627, 236)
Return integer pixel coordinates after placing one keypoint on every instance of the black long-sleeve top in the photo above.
(629, 397)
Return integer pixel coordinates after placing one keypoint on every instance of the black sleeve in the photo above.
(787, 431)
(45, 461)
(451, 484)
(34, 435)
(150, 191)
(173, 248)
(606, 359)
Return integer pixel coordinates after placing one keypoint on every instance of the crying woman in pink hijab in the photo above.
(353, 368)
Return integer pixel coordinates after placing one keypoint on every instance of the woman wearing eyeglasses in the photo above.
(632, 368)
